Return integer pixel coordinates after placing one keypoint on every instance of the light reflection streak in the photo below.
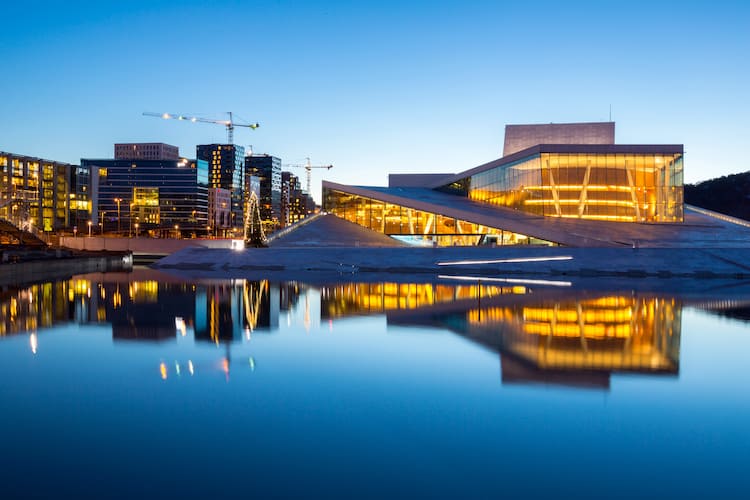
(507, 280)
(504, 261)
(33, 342)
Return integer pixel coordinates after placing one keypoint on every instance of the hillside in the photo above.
(728, 195)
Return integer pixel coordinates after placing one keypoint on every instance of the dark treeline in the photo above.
(728, 195)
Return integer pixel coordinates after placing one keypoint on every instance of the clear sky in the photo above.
(374, 87)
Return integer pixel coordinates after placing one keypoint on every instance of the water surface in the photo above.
(141, 385)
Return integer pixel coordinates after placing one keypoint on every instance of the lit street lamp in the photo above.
(130, 220)
(90, 228)
(118, 200)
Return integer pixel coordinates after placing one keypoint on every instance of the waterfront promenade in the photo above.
(331, 248)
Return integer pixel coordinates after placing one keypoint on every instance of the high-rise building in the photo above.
(81, 194)
(34, 192)
(163, 197)
(285, 212)
(146, 151)
(296, 203)
(268, 169)
(226, 171)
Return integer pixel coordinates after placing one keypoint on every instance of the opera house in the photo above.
(556, 184)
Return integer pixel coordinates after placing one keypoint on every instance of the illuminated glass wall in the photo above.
(416, 226)
(617, 187)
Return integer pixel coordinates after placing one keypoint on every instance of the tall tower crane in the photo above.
(229, 124)
(308, 168)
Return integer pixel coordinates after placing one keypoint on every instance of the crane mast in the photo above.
(308, 171)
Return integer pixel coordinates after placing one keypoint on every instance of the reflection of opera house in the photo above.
(564, 184)
(563, 338)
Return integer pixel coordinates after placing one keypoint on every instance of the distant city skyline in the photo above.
(374, 87)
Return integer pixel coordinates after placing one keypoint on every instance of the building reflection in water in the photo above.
(372, 298)
(550, 336)
(567, 339)
(582, 341)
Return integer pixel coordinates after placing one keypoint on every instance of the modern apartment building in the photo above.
(36, 193)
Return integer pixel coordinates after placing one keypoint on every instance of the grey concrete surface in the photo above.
(330, 249)
(331, 231)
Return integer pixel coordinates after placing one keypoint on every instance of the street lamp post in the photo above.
(90, 223)
(130, 221)
(118, 200)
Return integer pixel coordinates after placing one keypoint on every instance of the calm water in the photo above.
(139, 385)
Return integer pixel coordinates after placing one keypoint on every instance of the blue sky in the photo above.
(374, 87)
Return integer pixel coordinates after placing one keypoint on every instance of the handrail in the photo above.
(296, 225)
(718, 215)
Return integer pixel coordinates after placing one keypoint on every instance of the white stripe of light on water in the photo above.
(504, 261)
(506, 280)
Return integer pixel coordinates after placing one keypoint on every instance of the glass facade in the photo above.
(225, 170)
(267, 168)
(80, 196)
(416, 226)
(157, 195)
(630, 187)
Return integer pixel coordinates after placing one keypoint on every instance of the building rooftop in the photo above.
(700, 229)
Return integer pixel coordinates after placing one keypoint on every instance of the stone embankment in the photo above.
(306, 263)
(63, 266)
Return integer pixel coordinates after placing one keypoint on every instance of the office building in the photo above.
(226, 171)
(157, 197)
(146, 151)
(219, 212)
(81, 194)
(268, 169)
(296, 203)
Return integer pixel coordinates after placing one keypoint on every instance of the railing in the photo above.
(720, 216)
(21, 219)
(283, 232)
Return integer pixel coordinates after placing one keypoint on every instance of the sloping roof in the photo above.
(698, 230)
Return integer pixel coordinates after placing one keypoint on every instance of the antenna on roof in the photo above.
(610, 112)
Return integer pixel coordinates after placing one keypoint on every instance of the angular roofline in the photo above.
(567, 148)
(36, 158)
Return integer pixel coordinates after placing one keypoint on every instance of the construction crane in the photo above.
(308, 168)
(229, 124)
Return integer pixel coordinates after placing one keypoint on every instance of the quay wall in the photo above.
(54, 269)
(301, 263)
(151, 246)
